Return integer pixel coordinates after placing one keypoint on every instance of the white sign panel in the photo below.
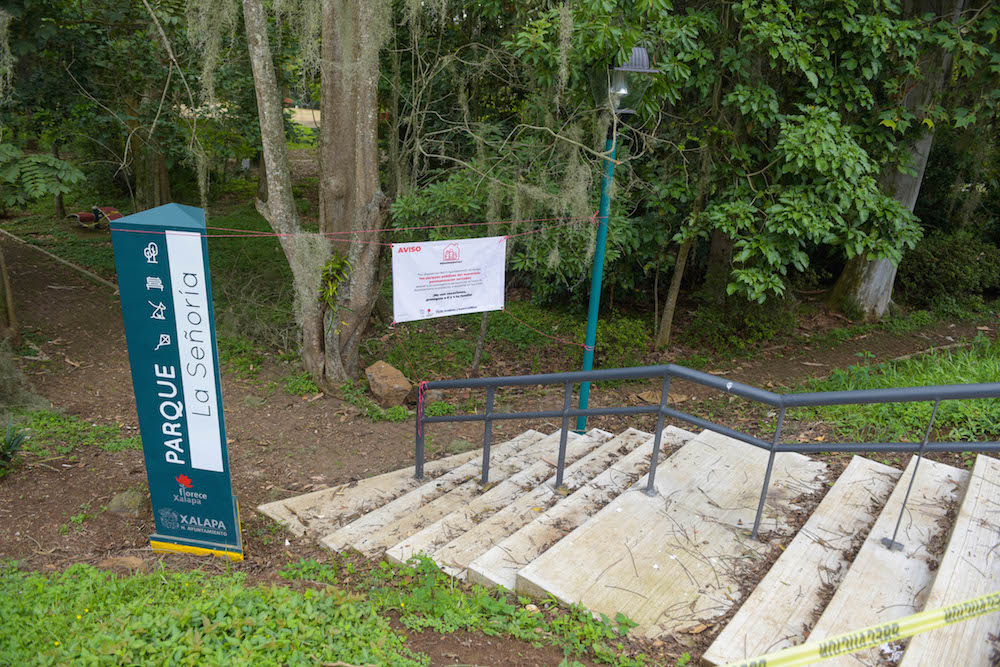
(441, 278)
(187, 277)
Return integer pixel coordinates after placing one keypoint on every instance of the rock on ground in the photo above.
(129, 503)
(388, 384)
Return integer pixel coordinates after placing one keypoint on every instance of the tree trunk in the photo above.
(162, 179)
(279, 209)
(480, 344)
(666, 324)
(261, 179)
(350, 192)
(152, 180)
(8, 319)
(864, 289)
(60, 204)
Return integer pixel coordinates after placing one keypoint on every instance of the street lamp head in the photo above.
(622, 87)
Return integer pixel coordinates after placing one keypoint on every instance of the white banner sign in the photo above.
(441, 278)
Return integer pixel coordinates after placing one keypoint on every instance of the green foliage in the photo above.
(621, 341)
(303, 138)
(87, 615)
(336, 270)
(954, 267)
(355, 392)
(439, 409)
(300, 384)
(27, 178)
(307, 569)
(240, 355)
(396, 413)
(425, 598)
(828, 194)
(11, 443)
(973, 420)
(49, 431)
(738, 325)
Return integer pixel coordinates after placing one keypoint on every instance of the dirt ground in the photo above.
(280, 445)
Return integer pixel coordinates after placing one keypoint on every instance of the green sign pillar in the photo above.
(161, 257)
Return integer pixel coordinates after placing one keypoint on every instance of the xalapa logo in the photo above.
(185, 494)
(170, 519)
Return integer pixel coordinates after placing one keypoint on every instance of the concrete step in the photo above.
(321, 512)
(499, 565)
(457, 511)
(457, 539)
(674, 560)
(970, 568)
(378, 530)
(781, 608)
(437, 486)
(883, 585)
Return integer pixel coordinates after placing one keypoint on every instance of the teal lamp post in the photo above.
(620, 88)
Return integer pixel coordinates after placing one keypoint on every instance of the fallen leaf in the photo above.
(650, 397)
(984, 329)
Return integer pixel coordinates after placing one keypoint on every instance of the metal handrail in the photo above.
(667, 372)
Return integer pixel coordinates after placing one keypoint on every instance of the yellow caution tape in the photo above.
(849, 642)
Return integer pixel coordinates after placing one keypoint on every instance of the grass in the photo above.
(425, 598)
(355, 392)
(49, 431)
(241, 356)
(897, 324)
(88, 615)
(970, 420)
(300, 384)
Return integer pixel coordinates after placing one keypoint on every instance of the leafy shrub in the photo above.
(300, 384)
(439, 409)
(396, 413)
(10, 445)
(621, 341)
(954, 266)
(26, 178)
(737, 325)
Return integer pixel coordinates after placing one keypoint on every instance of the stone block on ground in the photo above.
(388, 384)
(133, 502)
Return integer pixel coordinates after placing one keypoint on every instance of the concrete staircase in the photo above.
(681, 562)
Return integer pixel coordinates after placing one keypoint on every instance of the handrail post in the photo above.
(564, 433)
(487, 434)
(419, 474)
(657, 437)
(891, 543)
(767, 474)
